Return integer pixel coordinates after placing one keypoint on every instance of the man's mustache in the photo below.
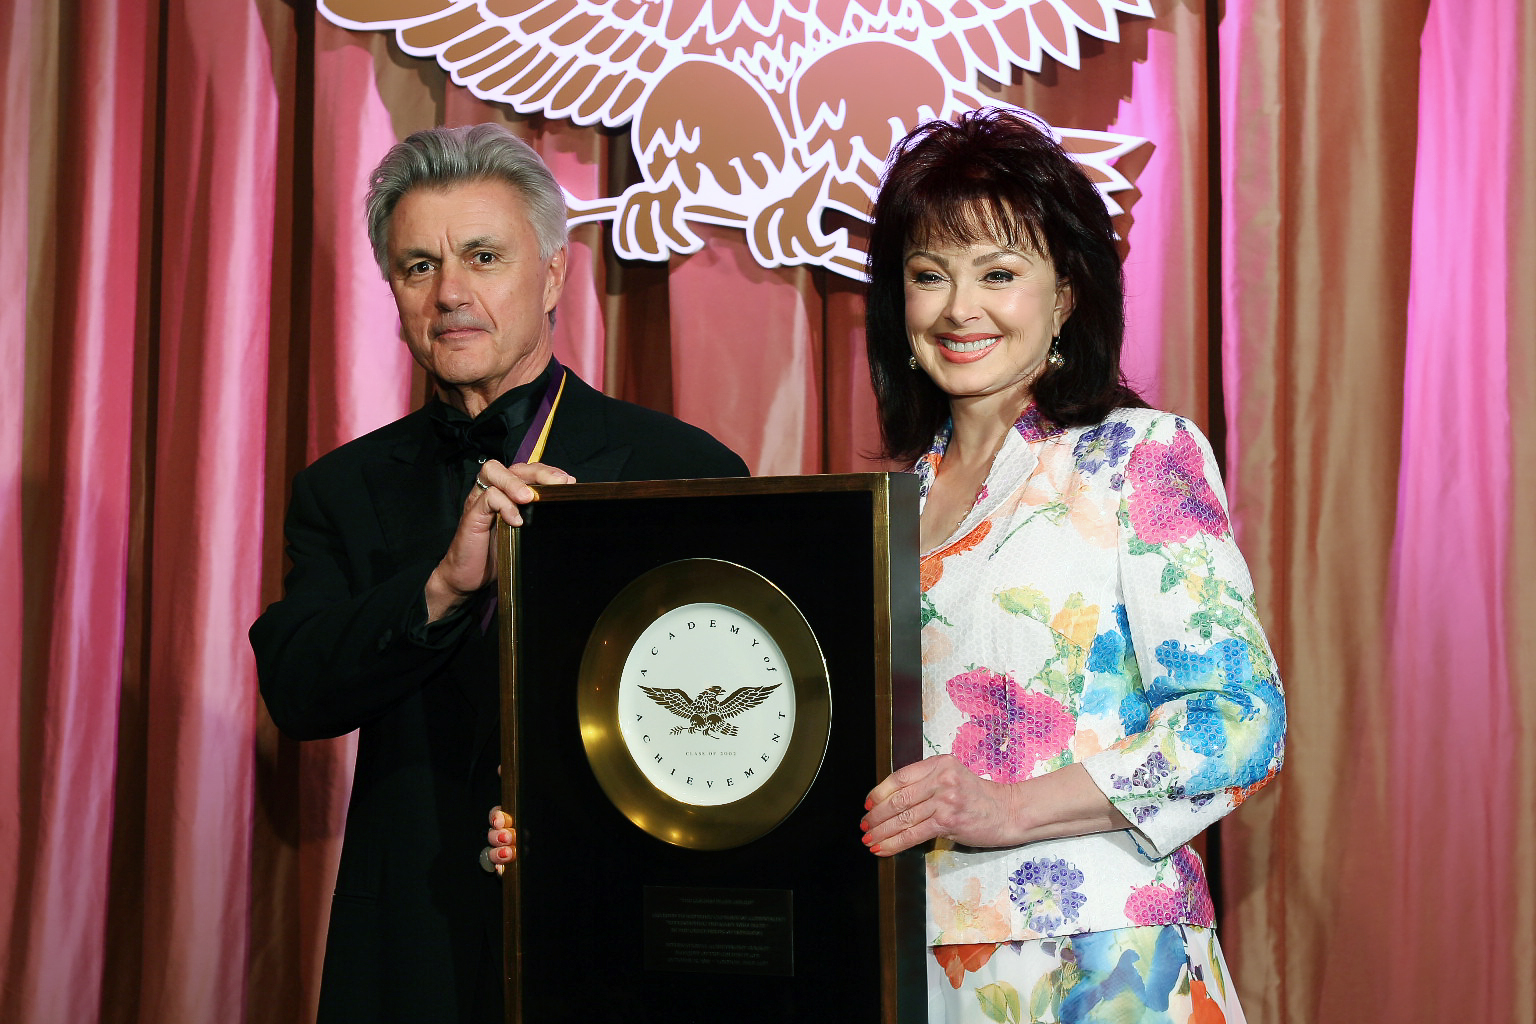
(458, 322)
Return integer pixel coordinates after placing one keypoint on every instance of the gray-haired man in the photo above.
(390, 539)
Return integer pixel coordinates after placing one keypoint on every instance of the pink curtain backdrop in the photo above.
(69, 563)
(1459, 714)
(1330, 249)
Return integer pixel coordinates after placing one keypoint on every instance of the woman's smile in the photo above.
(981, 316)
(966, 348)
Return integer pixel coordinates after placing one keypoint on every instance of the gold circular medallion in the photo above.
(704, 704)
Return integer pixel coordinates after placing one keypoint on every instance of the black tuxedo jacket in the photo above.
(415, 929)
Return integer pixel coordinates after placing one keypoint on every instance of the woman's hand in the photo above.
(939, 797)
(503, 839)
(942, 798)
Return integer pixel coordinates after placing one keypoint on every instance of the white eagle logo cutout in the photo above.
(755, 114)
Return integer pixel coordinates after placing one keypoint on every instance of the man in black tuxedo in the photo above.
(385, 625)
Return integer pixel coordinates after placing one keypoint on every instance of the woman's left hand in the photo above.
(942, 798)
(939, 797)
(503, 839)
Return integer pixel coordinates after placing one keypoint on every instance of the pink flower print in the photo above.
(1009, 731)
(1173, 500)
(1154, 904)
(1161, 904)
(1198, 908)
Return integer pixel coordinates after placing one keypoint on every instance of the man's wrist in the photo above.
(441, 597)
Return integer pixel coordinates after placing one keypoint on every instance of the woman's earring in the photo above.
(1055, 360)
(911, 362)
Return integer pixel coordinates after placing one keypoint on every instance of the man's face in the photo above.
(473, 294)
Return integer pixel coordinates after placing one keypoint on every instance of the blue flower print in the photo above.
(1104, 445)
(1112, 655)
(1046, 890)
(1112, 647)
(1118, 969)
(1213, 685)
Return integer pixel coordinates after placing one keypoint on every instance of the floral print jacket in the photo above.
(1093, 607)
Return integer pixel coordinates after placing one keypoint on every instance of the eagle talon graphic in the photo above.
(707, 713)
(756, 114)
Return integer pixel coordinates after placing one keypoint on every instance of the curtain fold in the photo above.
(208, 439)
(1456, 707)
(81, 197)
(15, 131)
(746, 344)
(1315, 219)
(1152, 84)
(1520, 583)
(1330, 243)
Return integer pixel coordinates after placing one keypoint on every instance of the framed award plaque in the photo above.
(701, 681)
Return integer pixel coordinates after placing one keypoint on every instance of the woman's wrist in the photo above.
(1065, 802)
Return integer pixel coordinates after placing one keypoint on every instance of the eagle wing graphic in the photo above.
(591, 60)
(586, 60)
(744, 699)
(988, 36)
(675, 701)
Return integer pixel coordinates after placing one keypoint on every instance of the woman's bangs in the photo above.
(954, 218)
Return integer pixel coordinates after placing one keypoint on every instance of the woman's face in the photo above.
(980, 317)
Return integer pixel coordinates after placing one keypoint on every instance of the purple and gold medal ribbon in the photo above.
(532, 448)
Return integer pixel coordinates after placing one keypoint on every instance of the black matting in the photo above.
(577, 907)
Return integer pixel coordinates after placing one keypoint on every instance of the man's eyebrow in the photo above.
(406, 257)
(480, 242)
(416, 252)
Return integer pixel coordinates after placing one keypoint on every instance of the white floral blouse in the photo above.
(1093, 607)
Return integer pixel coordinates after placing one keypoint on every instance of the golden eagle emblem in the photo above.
(707, 713)
(756, 114)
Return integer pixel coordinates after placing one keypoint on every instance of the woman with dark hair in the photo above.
(1097, 688)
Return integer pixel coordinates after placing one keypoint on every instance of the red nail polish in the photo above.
(869, 804)
(874, 849)
(867, 840)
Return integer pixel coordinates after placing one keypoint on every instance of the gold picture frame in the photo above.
(667, 588)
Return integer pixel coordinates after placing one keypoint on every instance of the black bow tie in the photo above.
(479, 439)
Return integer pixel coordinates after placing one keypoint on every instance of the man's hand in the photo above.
(470, 561)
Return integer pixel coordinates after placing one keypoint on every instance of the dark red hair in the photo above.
(998, 175)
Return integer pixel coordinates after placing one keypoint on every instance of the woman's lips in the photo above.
(957, 348)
